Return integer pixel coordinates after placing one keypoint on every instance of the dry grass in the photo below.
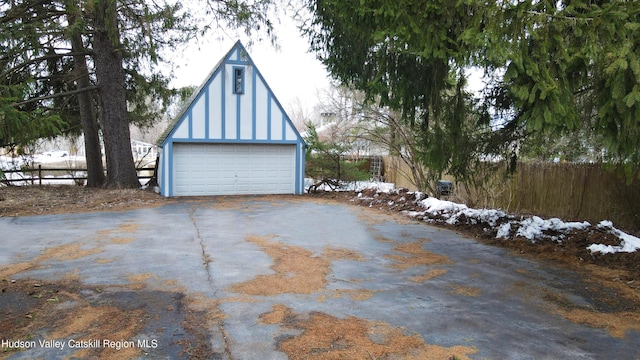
(327, 337)
(433, 273)
(50, 199)
(297, 271)
(415, 255)
(63, 253)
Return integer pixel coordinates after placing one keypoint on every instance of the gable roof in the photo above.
(194, 97)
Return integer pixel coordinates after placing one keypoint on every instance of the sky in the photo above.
(291, 71)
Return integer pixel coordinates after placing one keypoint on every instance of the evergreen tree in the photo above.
(30, 67)
(557, 67)
(86, 99)
(45, 64)
(410, 57)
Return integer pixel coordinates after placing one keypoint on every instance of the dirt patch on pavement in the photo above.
(297, 270)
(354, 295)
(433, 273)
(617, 324)
(128, 227)
(66, 319)
(230, 202)
(415, 256)
(603, 312)
(63, 252)
(57, 311)
(67, 252)
(332, 253)
(327, 337)
(104, 323)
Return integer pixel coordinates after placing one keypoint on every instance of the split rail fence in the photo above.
(39, 174)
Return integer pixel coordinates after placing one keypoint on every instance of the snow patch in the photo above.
(357, 186)
(629, 243)
(435, 206)
(503, 230)
(534, 227)
(504, 225)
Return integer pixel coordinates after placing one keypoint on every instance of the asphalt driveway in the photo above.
(287, 277)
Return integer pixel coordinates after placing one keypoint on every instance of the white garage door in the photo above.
(233, 169)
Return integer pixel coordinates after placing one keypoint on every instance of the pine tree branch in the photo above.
(67, 93)
(38, 60)
(560, 17)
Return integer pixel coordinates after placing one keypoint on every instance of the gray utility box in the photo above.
(444, 188)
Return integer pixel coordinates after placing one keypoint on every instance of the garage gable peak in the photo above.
(234, 104)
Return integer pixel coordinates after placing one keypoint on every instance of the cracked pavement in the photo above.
(228, 256)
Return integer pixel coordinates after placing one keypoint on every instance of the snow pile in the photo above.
(454, 212)
(51, 156)
(532, 228)
(535, 227)
(380, 186)
(435, 206)
(629, 243)
(357, 186)
(504, 226)
(10, 163)
(60, 157)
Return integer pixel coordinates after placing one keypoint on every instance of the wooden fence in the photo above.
(38, 174)
(566, 190)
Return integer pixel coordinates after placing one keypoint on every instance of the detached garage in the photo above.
(232, 137)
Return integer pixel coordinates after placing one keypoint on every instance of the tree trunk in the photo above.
(93, 153)
(121, 171)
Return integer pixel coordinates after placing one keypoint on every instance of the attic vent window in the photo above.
(238, 80)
